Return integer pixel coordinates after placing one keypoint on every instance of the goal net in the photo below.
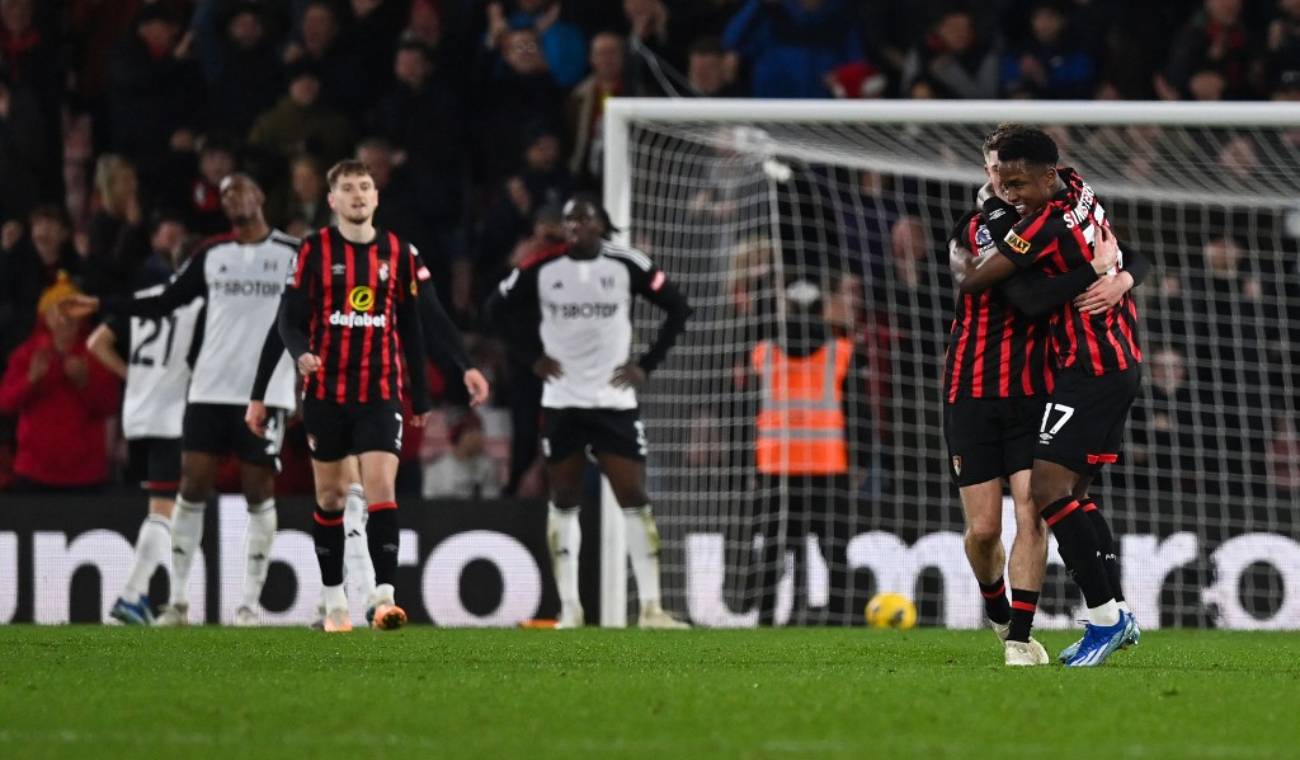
(737, 200)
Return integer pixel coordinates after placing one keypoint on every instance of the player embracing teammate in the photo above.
(1046, 220)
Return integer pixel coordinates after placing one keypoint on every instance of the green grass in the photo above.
(209, 692)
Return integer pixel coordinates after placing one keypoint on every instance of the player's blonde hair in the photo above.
(348, 167)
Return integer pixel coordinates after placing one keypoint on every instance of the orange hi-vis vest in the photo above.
(801, 413)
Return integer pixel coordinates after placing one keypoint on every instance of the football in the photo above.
(891, 610)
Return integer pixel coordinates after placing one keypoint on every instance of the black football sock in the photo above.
(327, 532)
(382, 536)
(1023, 605)
(995, 601)
(1105, 544)
(1078, 546)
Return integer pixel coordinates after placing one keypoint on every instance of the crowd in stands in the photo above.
(478, 118)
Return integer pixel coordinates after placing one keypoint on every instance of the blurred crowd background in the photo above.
(118, 119)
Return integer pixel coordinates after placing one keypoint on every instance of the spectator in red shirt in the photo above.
(62, 397)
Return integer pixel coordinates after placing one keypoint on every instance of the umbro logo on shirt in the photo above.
(338, 269)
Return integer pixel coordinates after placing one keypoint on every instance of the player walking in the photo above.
(350, 320)
(239, 275)
(572, 308)
(1050, 219)
(444, 343)
(156, 369)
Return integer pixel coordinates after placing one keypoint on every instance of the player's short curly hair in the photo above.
(995, 137)
(1029, 144)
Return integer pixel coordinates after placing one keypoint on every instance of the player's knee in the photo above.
(332, 497)
(194, 490)
(566, 498)
(1030, 525)
(631, 498)
(1044, 491)
(984, 533)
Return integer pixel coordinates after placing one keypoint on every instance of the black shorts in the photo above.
(990, 438)
(335, 430)
(605, 431)
(220, 429)
(1082, 426)
(157, 461)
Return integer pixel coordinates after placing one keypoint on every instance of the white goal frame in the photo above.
(621, 113)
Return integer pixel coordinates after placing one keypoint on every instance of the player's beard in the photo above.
(358, 217)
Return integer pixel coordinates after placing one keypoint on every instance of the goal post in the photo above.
(736, 199)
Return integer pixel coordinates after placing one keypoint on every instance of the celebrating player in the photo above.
(996, 374)
(240, 276)
(574, 320)
(348, 318)
(1050, 219)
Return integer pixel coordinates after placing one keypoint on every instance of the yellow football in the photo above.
(891, 610)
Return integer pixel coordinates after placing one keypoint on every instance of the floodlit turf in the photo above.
(207, 692)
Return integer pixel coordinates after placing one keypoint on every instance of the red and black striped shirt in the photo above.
(994, 351)
(357, 297)
(1059, 238)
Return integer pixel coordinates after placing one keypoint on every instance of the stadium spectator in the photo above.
(62, 398)
(30, 262)
(562, 43)
(1215, 38)
(154, 90)
(518, 92)
(1052, 64)
(586, 107)
(466, 471)
(339, 73)
(952, 60)
(244, 73)
(301, 122)
(22, 148)
(1164, 430)
(422, 114)
(707, 71)
(1284, 38)
(118, 238)
(168, 236)
(301, 207)
(216, 161)
(31, 64)
(370, 31)
(790, 45)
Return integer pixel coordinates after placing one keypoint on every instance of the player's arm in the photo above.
(409, 329)
(101, 345)
(653, 285)
(189, 284)
(513, 311)
(294, 313)
(1108, 291)
(272, 350)
(1022, 243)
(443, 341)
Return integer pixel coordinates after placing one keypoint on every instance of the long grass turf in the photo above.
(210, 692)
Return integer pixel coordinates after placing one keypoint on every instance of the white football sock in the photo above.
(564, 538)
(1124, 606)
(1104, 615)
(258, 538)
(643, 550)
(151, 549)
(358, 570)
(187, 533)
(334, 598)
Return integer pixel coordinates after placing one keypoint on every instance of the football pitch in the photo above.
(209, 692)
